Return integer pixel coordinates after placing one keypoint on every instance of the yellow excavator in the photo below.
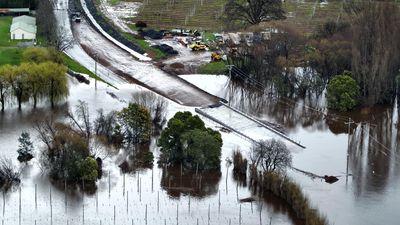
(198, 46)
(215, 57)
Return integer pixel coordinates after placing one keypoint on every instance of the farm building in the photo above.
(23, 28)
(15, 11)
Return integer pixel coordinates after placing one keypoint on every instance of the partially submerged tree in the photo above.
(56, 81)
(254, 11)
(25, 148)
(376, 55)
(9, 175)
(157, 105)
(271, 155)
(6, 72)
(107, 127)
(19, 84)
(342, 93)
(135, 123)
(81, 120)
(186, 141)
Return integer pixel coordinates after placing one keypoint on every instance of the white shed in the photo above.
(23, 28)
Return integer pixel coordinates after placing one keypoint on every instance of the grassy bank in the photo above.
(152, 52)
(77, 67)
(217, 68)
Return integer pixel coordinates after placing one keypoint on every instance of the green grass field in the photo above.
(77, 67)
(10, 55)
(217, 68)
(5, 40)
(9, 52)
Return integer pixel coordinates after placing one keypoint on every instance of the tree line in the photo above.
(18, 4)
(41, 76)
(367, 43)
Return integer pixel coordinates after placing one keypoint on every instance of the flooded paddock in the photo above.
(144, 196)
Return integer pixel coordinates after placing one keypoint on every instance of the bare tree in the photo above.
(47, 132)
(9, 175)
(254, 11)
(63, 40)
(58, 38)
(270, 155)
(156, 104)
(81, 119)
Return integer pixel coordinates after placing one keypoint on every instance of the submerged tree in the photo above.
(25, 148)
(19, 84)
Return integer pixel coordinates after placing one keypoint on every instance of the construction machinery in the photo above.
(215, 57)
(198, 46)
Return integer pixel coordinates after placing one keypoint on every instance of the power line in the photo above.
(327, 116)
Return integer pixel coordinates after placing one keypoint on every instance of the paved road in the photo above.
(119, 66)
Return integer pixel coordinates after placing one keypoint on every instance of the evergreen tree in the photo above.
(25, 148)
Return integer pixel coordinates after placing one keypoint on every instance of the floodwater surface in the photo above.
(144, 196)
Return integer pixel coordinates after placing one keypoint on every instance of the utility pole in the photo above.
(230, 70)
(95, 70)
(230, 78)
(348, 148)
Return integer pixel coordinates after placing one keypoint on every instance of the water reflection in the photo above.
(135, 158)
(374, 152)
(179, 182)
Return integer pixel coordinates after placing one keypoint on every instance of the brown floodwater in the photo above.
(372, 192)
(158, 195)
(153, 195)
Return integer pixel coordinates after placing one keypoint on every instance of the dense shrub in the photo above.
(140, 24)
(285, 188)
(239, 163)
(342, 93)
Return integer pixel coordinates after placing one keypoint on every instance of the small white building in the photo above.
(23, 28)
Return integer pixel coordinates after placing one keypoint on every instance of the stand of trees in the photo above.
(376, 50)
(18, 4)
(41, 76)
(368, 44)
